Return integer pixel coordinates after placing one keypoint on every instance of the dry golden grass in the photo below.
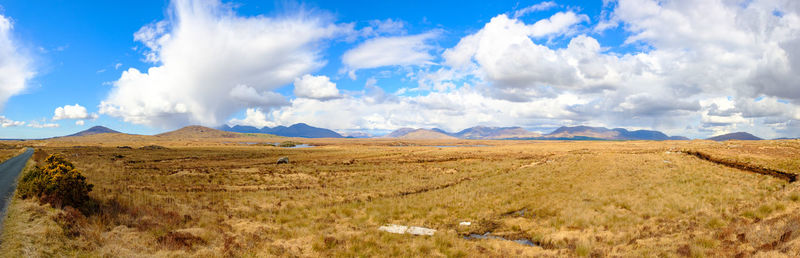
(217, 197)
(781, 155)
(8, 151)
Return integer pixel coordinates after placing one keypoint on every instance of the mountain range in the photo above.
(477, 132)
(566, 132)
(295, 130)
(421, 134)
(562, 133)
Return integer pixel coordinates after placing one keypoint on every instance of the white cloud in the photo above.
(390, 51)
(534, 8)
(72, 112)
(731, 66)
(36, 124)
(80, 122)
(504, 54)
(5, 122)
(251, 97)
(380, 27)
(744, 51)
(206, 56)
(374, 109)
(253, 117)
(558, 24)
(315, 87)
(15, 66)
(153, 36)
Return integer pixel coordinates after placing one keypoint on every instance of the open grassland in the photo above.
(9, 151)
(228, 197)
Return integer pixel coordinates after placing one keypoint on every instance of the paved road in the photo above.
(9, 171)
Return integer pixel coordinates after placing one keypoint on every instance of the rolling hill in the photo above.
(399, 132)
(92, 131)
(196, 131)
(424, 134)
(735, 136)
(483, 132)
(295, 130)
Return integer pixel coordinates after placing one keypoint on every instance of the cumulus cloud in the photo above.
(72, 112)
(80, 122)
(5, 122)
(733, 66)
(16, 67)
(315, 87)
(745, 51)
(504, 54)
(208, 60)
(734, 45)
(375, 109)
(251, 97)
(253, 117)
(558, 24)
(390, 51)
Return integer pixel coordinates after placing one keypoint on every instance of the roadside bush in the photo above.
(57, 183)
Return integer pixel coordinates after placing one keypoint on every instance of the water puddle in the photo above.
(276, 144)
(299, 146)
(442, 146)
(454, 146)
(488, 235)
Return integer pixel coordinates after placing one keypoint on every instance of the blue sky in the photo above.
(151, 66)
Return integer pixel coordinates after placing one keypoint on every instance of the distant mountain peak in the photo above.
(196, 131)
(745, 136)
(93, 130)
(419, 134)
(399, 132)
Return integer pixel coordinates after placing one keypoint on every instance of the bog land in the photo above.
(183, 195)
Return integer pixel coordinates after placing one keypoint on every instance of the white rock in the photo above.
(420, 231)
(465, 223)
(400, 229)
(392, 228)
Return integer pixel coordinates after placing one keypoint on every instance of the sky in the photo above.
(683, 67)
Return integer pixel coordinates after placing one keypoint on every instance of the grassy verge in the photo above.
(29, 229)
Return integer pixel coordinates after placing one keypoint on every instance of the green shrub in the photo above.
(57, 183)
(288, 144)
